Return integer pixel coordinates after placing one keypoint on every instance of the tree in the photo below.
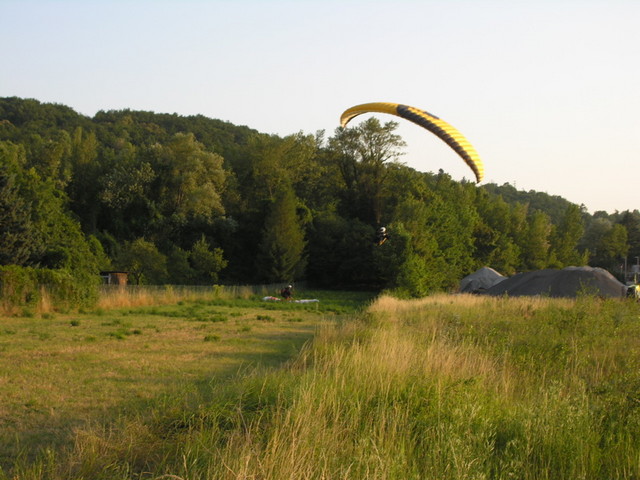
(271, 165)
(592, 240)
(421, 265)
(125, 196)
(535, 245)
(567, 235)
(274, 163)
(49, 236)
(178, 267)
(190, 179)
(612, 248)
(281, 255)
(206, 263)
(341, 253)
(85, 175)
(362, 154)
(18, 237)
(631, 222)
(49, 154)
(143, 261)
(494, 234)
(123, 201)
(453, 221)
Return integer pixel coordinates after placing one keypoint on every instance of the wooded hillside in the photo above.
(195, 200)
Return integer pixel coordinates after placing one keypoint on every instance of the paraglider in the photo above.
(381, 236)
(435, 125)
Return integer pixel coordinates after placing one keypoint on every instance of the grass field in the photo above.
(61, 373)
(446, 387)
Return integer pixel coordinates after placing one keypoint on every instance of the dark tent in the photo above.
(480, 280)
(568, 282)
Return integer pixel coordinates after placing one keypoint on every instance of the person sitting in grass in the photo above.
(287, 292)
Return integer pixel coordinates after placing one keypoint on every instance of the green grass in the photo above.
(446, 387)
(64, 373)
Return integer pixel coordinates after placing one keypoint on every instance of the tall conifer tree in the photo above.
(281, 255)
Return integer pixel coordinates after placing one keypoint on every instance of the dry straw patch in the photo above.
(127, 296)
(422, 336)
(416, 341)
(391, 306)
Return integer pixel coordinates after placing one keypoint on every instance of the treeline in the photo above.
(194, 200)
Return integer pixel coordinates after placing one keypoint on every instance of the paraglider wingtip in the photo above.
(430, 122)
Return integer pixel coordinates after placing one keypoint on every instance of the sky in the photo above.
(547, 91)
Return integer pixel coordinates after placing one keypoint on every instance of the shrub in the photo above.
(41, 288)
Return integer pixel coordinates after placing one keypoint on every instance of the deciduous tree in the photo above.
(362, 154)
(206, 262)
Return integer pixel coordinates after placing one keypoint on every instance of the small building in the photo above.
(114, 278)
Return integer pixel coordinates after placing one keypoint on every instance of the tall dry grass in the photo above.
(124, 296)
(417, 391)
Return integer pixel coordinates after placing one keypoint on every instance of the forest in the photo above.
(191, 200)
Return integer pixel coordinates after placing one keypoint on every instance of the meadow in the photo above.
(139, 348)
(447, 387)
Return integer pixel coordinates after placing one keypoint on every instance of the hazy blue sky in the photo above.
(548, 91)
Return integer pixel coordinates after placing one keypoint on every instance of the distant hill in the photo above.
(32, 116)
(22, 117)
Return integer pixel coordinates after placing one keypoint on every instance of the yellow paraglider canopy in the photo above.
(435, 125)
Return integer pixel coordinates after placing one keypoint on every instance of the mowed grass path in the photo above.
(60, 372)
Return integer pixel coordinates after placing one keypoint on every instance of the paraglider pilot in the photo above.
(381, 236)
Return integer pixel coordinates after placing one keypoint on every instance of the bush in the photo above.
(45, 288)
